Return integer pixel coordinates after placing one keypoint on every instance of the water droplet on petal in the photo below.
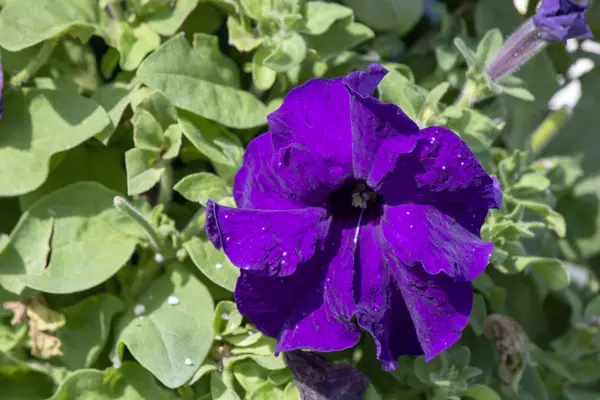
(285, 253)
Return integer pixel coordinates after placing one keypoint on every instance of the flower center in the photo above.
(353, 199)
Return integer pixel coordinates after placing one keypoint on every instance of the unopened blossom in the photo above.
(349, 216)
(555, 21)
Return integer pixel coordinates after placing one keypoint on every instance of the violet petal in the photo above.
(271, 242)
(317, 379)
(422, 234)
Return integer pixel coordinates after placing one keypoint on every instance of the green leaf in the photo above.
(202, 186)
(171, 339)
(36, 124)
(179, 72)
(341, 36)
(398, 16)
(554, 220)
(87, 329)
(395, 88)
(489, 46)
(241, 38)
(114, 98)
(98, 164)
(227, 318)
(476, 129)
(592, 309)
(129, 382)
(553, 272)
(219, 390)
(134, 44)
(250, 375)
(220, 146)
(69, 240)
(263, 77)
(213, 263)
(22, 383)
(268, 391)
(319, 16)
(10, 336)
(286, 52)
(25, 23)
(478, 314)
(144, 170)
(481, 392)
(169, 21)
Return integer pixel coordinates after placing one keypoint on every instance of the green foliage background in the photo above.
(123, 117)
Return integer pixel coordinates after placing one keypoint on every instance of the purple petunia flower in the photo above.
(559, 20)
(556, 20)
(348, 210)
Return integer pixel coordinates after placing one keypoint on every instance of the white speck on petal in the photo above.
(218, 266)
(225, 316)
(139, 309)
(284, 253)
(226, 216)
(227, 238)
(172, 300)
(408, 213)
(411, 227)
(462, 163)
(444, 167)
(263, 229)
(188, 361)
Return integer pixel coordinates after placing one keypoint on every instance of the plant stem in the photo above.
(542, 136)
(166, 184)
(155, 240)
(35, 64)
(468, 95)
(195, 225)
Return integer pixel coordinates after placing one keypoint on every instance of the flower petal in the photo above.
(381, 311)
(373, 124)
(312, 135)
(441, 171)
(563, 19)
(422, 234)
(438, 306)
(310, 309)
(268, 242)
(256, 185)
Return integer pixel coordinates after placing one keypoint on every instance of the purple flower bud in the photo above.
(316, 379)
(556, 20)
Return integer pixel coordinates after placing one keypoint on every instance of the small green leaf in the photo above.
(179, 72)
(114, 98)
(202, 186)
(135, 44)
(87, 329)
(319, 16)
(285, 53)
(395, 88)
(55, 247)
(36, 124)
(268, 391)
(129, 382)
(250, 375)
(592, 309)
(478, 314)
(291, 393)
(144, 170)
(241, 38)
(481, 392)
(553, 272)
(169, 21)
(213, 263)
(489, 46)
(227, 318)
(171, 338)
(25, 23)
(341, 36)
(263, 77)
(219, 390)
(397, 16)
(220, 146)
